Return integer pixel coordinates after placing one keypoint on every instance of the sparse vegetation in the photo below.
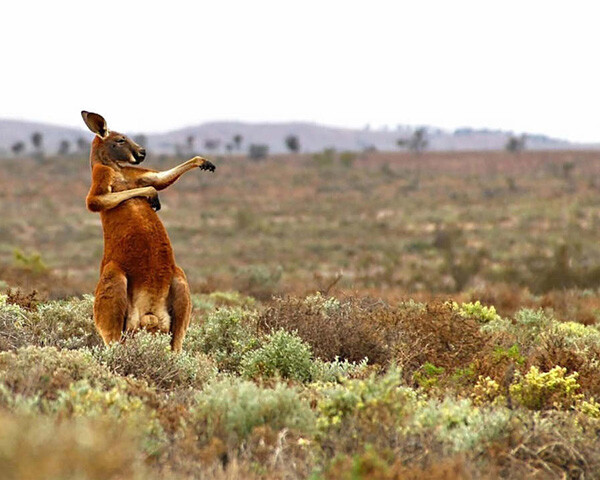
(148, 357)
(441, 223)
(324, 158)
(347, 159)
(491, 371)
(261, 391)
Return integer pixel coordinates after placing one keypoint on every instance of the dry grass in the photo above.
(371, 222)
(341, 331)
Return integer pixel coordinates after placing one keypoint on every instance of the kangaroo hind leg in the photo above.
(110, 304)
(180, 308)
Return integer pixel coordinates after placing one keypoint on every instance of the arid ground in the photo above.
(356, 316)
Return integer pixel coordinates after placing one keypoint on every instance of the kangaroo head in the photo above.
(111, 148)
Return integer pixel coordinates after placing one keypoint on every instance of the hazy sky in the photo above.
(151, 66)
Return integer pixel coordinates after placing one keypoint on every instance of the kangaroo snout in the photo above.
(139, 156)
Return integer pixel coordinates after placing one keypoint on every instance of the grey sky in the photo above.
(153, 66)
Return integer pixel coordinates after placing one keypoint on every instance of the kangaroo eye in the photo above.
(121, 140)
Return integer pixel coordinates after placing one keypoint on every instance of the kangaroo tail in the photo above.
(149, 322)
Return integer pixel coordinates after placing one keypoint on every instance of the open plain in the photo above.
(356, 316)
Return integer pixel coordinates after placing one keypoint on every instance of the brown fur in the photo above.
(140, 285)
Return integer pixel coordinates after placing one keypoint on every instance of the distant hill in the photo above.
(312, 137)
(13, 131)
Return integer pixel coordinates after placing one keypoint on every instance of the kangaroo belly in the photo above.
(135, 239)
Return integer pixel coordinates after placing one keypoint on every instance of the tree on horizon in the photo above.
(292, 143)
(237, 140)
(417, 142)
(516, 144)
(64, 147)
(18, 147)
(37, 140)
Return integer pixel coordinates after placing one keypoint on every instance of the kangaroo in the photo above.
(140, 284)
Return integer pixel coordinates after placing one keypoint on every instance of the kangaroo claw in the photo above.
(154, 203)
(207, 166)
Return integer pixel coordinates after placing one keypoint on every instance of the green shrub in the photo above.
(282, 354)
(201, 305)
(83, 400)
(428, 375)
(512, 353)
(231, 408)
(227, 335)
(232, 299)
(12, 319)
(43, 372)
(544, 390)
(527, 326)
(22, 404)
(204, 303)
(149, 357)
(579, 334)
(329, 305)
(347, 158)
(29, 262)
(535, 320)
(324, 158)
(9, 308)
(362, 466)
(500, 325)
(64, 324)
(365, 404)
(338, 369)
(459, 425)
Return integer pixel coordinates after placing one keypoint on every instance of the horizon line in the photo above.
(366, 128)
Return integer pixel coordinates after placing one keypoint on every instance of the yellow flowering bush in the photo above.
(487, 390)
(376, 399)
(477, 310)
(538, 390)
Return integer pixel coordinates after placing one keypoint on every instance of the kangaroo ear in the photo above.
(95, 123)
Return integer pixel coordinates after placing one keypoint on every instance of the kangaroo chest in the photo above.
(120, 182)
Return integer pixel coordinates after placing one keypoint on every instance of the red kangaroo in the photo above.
(140, 285)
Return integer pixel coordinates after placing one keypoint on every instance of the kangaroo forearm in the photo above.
(161, 180)
(107, 201)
